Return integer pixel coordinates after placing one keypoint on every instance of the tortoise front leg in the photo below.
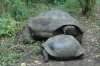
(79, 37)
(45, 56)
(27, 38)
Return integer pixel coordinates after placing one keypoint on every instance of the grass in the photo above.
(98, 2)
(98, 6)
(11, 53)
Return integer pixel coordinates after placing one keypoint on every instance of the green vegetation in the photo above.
(68, 6)
(11, 53)
(13, 17)
(7, 26)
(98, 2)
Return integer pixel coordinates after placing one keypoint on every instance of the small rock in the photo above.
(89, 60)
(23, 64)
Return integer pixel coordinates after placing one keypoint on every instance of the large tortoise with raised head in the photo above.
(62, 47)
(51, 23)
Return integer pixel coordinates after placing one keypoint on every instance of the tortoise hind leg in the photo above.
(79, 37)
(45, 56)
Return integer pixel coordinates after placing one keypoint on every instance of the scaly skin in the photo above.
(45, 56)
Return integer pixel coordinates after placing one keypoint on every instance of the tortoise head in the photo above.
(69, 29)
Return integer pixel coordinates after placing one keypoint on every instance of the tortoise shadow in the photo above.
(81, 57)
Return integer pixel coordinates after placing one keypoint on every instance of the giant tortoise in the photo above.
(63, 47)
(51, 23)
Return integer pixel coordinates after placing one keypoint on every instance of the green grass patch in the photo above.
(7, 26)
(68, 6)
(98, 2)
(12, 54)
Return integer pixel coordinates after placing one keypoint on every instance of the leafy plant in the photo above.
(7, 26)
(69, 6)
(17, 9)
